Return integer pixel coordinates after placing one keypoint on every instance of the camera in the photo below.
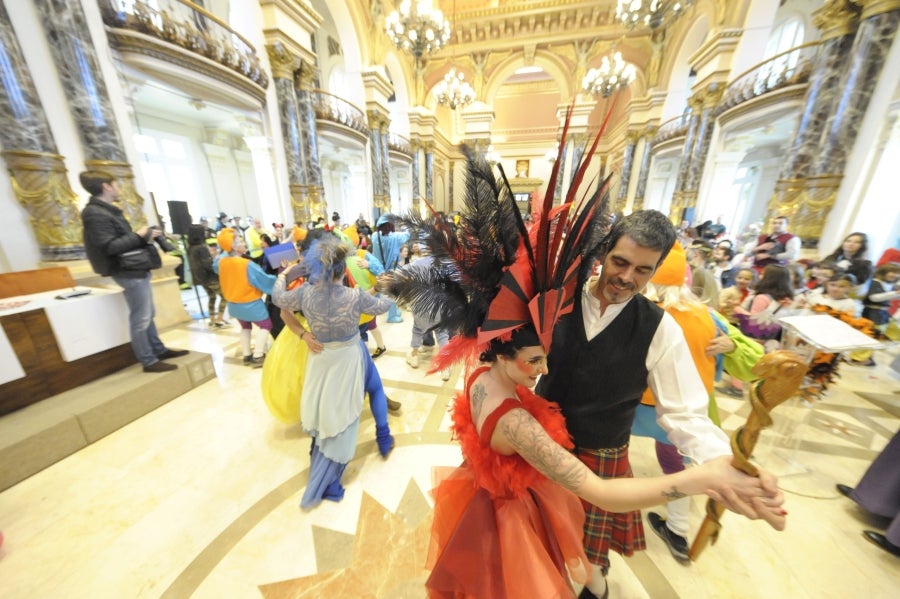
(161, 241)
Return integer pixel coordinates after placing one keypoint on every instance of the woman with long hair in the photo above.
(851, 257)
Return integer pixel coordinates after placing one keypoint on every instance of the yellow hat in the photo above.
(353, 234)
(673, 270)
(299, 233)
(226, 239)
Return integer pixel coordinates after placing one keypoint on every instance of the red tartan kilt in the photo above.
(623, 533)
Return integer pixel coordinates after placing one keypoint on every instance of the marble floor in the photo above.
(200, 499)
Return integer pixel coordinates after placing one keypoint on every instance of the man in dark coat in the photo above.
(106, 236)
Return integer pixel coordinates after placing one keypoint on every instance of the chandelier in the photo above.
(453, 90)
(612, 75)
(418, 28)
(649, 13)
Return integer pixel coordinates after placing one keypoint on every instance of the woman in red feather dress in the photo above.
(508, 522)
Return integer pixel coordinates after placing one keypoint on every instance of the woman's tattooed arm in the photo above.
(536, 447)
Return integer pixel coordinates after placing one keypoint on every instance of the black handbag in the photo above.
(142, 258)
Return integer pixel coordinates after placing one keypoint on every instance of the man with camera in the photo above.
(126, 256)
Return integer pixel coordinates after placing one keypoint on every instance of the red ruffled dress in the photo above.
(501, 528)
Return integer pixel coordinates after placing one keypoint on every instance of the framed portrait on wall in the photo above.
(522, 168)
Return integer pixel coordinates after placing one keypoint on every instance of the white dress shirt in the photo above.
(681, 398)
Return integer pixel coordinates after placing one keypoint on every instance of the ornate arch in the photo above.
(558, 69)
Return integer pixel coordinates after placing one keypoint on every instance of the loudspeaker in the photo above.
(180, 217)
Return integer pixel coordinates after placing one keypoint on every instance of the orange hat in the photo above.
(673, 270)
(226, 239)
(299, 234)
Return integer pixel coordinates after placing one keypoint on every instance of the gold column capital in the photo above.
(870, 8)
(712, 95)
(632, 136)
(836, 18)
(282, 61)
(305, 76)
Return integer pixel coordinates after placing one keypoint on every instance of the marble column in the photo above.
(283, 64)
(578, 142)
(381, 198)
(637, 202)
(838, 21)
(37, 172)
(452, 182)
(385, 161)
(631, 139)
(695, 103)
(79, 71)
(416, 184)
(304, 81)
(429, 172)
(700, 147)
(557, 193)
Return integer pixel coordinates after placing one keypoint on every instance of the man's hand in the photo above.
(760, 501)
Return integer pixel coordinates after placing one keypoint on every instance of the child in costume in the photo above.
(508, 522)
(334, 380)
(200, 260)
(386, 244)
(243, 285)
(708, 336)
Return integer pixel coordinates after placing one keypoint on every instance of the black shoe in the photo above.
(248, 360)
(160, 367)
(677, 543)
(173, 353)
(876, 538)
(844, 490)
(378, 352)
(587, 594)
(393, 406)
(257, 362)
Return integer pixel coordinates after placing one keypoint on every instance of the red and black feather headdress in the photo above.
(494, 274)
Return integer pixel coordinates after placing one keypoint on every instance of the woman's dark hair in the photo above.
(264, 237)
(863, 247)
(522, 337)
(775, 281)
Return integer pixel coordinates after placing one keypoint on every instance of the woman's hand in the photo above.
(751, 496)
(312, 343)
(720, 344)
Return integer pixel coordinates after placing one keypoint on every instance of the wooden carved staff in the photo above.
(780, 375)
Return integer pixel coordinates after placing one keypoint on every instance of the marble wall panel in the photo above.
(375, 158)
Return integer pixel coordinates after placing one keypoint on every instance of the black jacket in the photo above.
(106, 235)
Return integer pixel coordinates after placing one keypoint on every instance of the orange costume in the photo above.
(501, 528)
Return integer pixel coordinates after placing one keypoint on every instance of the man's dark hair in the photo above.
(648, 228)
(782, 217)
(93, 181)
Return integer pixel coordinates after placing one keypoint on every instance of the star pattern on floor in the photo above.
(386, 555)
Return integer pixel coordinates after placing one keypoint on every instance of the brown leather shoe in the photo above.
(160, 367)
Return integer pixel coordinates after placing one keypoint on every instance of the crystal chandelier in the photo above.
(612, 75)
(418, 28)
(453, 90)
(649, 13)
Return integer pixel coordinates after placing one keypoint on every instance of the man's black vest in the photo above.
(599, 383)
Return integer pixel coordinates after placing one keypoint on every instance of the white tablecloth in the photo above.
(83, 325)
(10, 367)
